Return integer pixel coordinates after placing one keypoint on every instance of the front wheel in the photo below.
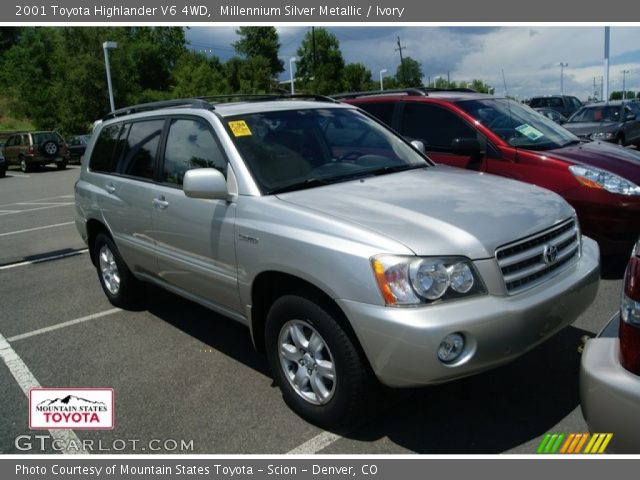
(321, 374)
(24, 166)
(117, 281)
(61, 165)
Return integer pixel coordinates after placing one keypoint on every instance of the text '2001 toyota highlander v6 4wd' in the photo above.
(348, 265)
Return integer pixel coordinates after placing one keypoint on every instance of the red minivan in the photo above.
(496, 135)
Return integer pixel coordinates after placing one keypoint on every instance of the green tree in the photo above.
(409, 73)
(357, 78)
(321, 72)
(260, 42)
(195, 75)
(252, 75)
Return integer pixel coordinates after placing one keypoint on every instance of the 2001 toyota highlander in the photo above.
(350, 256)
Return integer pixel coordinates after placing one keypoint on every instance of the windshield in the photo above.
(605, 113)
(296, 149)
(517, 124)
(41, 137)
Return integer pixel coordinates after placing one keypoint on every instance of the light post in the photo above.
(562, 65)
(106, 46)
(624, 86)
(292, 60)
(382, 72)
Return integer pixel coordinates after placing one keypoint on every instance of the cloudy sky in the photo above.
(529, 55)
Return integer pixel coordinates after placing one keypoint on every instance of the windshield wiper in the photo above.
(573, 142)
(394, 169)
(308, 183)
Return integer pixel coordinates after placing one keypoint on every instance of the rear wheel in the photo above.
(61, 165)
(119, 285)
(24, 166)
(320, 372)
(620, 140)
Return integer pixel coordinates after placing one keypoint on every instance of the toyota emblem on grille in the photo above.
(550, 254)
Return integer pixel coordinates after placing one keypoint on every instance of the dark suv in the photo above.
(564, 104)
(35, 149)
(496, 135)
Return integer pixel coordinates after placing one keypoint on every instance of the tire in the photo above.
(61, 165)
(322, 376)
(118, 283)
(49, 148)
(24, 166)
(3, 173)
(620, 140)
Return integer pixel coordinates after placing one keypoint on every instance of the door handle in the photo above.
(160, 203)
(110, 187)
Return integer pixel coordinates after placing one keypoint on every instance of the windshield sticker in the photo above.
(240, 128)
(529, 131)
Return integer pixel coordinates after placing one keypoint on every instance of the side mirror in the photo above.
(466, 147)
(207, 183)
(419, 145)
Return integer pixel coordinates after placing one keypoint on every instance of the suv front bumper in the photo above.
(401, 344)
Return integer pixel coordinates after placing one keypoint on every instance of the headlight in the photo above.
(597, 178)
(418, 280)
(602, 136)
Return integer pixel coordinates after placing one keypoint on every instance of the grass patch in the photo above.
(9, 121)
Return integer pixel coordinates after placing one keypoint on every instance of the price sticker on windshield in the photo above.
(239, 128)
(529, 131)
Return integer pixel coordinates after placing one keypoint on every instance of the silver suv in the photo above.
(352, 258)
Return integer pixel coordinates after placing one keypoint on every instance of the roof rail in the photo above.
(414, 91)
(407, 91)
(266, 97)
(145, 107)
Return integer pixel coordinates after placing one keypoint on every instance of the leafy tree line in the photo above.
(56, 76)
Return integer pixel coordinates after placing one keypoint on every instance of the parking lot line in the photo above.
(44, 259)
(316, 444)
(38, 200)
(66, 204)
(27, 381)
(16, 232)
(58, 326)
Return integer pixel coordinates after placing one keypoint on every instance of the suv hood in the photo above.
(619, 160)
(440, 210)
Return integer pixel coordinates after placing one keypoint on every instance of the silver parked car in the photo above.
(351, 257)
(610, 370)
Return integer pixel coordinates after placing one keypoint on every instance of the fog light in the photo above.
(451, 347)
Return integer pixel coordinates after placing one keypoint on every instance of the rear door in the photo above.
(124, 159)
(437, 127)
(194, 237)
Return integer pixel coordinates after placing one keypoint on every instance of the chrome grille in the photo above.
(529, 261)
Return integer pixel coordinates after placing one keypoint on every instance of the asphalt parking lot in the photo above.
(183, 373)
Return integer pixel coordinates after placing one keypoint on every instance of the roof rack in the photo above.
(267, 96)
(414, 91)
(208, 103)
(145, 107)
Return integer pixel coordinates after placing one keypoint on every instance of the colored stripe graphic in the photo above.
(573, 443)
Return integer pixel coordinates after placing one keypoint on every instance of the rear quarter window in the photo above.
(102, 155)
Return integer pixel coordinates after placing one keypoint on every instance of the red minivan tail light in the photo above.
(31, 150)
(630, 316)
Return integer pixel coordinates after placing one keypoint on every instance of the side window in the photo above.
(575, 102)
(190, 144)
(435, 126)
(11, 142)
(382, 111)
(140, 149)
(102, 155)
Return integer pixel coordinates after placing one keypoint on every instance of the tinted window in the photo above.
(575, 103)
(140, 149)
(11, 142)
(102, 155)
(382, 111)
(190, 144)
(41, 137)
(435, 126)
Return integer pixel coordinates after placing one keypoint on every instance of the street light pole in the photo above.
(624, 89)
(292, 60)
(562, 65)
(106, 46)
(383, 71)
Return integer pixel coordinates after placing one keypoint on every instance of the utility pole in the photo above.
(404, 74)
(448, 80)
(624, 87)
(605, 88)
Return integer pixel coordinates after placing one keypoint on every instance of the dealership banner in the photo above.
(305, 11)
(312, 468)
